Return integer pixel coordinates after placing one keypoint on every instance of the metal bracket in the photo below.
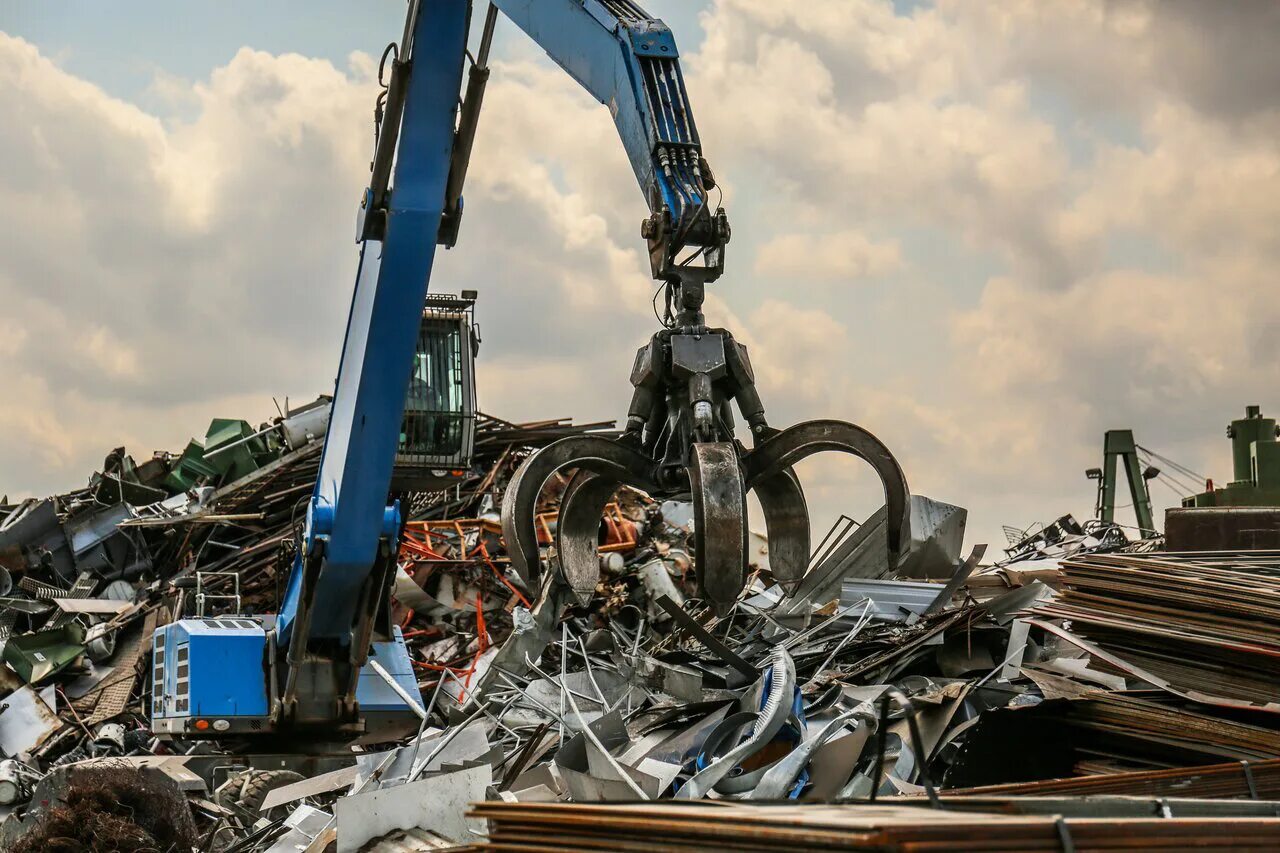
(202, 598)
(917, 746)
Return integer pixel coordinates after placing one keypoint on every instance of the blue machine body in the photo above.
(212, 670)
(212, 677)
(309, 666)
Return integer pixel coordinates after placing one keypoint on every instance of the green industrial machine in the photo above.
(1244, 515)
(1255, 457)
(1118, 446)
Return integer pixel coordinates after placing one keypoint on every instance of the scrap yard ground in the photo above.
(388, 621)
(1081, 687)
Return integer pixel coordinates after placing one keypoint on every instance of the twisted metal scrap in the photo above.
(781, 677)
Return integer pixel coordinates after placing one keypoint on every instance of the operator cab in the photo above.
(437, 435)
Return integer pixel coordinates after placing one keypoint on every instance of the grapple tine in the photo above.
(577, 533)
(609, 459)
(786, 518)
(802, 440)
(720, 519)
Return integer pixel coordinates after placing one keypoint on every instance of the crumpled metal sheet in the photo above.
(438, 802)
(27, 720)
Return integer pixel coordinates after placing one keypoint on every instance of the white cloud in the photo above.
(1068, 209)
(843, 256)
(1120, 222)
(164, 270)
(875, 125)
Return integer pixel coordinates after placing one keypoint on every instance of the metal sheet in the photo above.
(96, 606)
(26, 721)
(325, 783)
(438, 803)
(893, 601)
(469, 744)
(304, 824)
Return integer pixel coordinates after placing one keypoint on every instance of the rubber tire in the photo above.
(261, 783)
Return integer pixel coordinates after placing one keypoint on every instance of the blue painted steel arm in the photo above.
(348, 514)
(629, 62)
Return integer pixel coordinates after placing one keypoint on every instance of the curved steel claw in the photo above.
(720, 522)
(772, 457)
(577, 532)
(786, 521)
(719, 476)
(609, 459)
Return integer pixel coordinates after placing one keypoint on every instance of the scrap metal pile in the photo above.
(990, 697)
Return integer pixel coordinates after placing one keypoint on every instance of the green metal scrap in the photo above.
(191, 469)
(35, 657)
(231, 449)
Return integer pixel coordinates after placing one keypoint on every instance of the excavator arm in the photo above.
(626, 60)
(629, 62)
(340, 580)
(312, 668)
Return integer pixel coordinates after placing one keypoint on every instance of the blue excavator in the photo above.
(331, 663)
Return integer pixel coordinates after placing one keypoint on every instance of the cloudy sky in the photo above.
(986, 231)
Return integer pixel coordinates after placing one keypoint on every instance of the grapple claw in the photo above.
(679, 443)
(609, 459)
(720, 519)
(786, 519)
(788, 447)
(577, 532)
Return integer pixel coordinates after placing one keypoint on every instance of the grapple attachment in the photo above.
(679, 445)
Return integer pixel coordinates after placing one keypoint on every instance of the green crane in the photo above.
(1118, 445)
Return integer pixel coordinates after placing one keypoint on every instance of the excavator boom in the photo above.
(331, 661)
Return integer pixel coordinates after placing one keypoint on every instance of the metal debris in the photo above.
(1080, 663)
(745, 826)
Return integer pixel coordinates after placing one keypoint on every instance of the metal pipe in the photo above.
(444, 741)
(399, 691)
(564, 688)
(845, 611)
(863, 619)
(240, 441)
(549, 712)
(591, 676)
(564, 664)
(613, 762)
(635, 651)
(486, 37)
